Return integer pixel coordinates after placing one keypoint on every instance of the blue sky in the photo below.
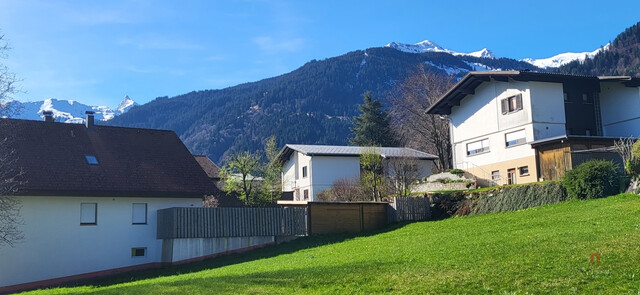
(98, 51)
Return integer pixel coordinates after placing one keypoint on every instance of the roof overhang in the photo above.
(564, 138)
(468, 84)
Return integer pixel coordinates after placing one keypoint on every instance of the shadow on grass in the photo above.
(305, 277)
(266, 252)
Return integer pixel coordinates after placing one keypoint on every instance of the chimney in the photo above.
(89, 121)
(48, 116)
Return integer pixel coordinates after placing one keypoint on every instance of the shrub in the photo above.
(458, 172)
(592, 179)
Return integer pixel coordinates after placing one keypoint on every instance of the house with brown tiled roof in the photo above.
(89, 198)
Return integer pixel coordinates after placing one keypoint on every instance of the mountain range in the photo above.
(314, 104)
(67, 111)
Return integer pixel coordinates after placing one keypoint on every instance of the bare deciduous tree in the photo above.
(343, 190)
(415, 128)
(10, 177)
(401, 172)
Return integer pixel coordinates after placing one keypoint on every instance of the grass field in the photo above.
(542, 250)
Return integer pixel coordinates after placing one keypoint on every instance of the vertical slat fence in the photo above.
(230, 222)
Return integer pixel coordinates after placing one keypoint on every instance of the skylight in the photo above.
(91, 159)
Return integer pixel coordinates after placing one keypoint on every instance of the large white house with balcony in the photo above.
(310, 169)
(521, 126)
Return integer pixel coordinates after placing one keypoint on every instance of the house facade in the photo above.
(311, 169)
(520, 126)
(89, 196)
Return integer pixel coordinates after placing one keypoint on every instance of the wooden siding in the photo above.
(554, 161)
(409, 209)
(325, 218)
(175, 223)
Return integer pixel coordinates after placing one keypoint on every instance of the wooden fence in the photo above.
(328, 217)
(230, 222)
(409, 209)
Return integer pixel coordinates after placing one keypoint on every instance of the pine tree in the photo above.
(373, 126)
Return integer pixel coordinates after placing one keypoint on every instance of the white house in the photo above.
(521, 126)
(90, 197)
(310, 169)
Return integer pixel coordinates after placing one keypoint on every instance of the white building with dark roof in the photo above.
(310, 169)
(519, 126)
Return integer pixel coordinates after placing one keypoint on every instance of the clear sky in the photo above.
(98, 51)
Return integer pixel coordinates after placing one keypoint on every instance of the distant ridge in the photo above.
(68, 111)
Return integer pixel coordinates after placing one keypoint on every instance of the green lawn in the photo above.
(542, 250)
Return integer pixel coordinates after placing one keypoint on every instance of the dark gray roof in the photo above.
(352, 151)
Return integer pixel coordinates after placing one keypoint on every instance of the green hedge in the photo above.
(499, 199)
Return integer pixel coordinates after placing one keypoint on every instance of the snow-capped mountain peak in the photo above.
(430, 46)
(67, 111)
(126, 104)
(564, 58)
(485, 52)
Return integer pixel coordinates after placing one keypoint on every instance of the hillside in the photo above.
(543, 250)
(621, 58)
(310, 105)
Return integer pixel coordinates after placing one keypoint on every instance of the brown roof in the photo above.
(468, 84)
(132, 162)
(208, 166)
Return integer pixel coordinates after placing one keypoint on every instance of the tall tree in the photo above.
(256, 181)
(272, 171)
(416, 129)
(241, 175)
(372, 177)
(373, 126)
(10, 219)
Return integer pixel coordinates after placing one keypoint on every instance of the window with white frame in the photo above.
(515, 138)
(511, 104)
(478, 147)
(495, 175)
(139, 213)
(88, 214)
(304, 171)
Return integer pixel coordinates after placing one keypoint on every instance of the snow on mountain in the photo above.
(68, 111)
(429, 46)
(125, 105)
(564, 58)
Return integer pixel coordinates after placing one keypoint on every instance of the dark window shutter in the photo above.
(505, 106)
(519, 101)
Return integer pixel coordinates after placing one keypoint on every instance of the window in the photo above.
(515, 138)
(138, 252)
(91, 159)
(139, 214)
(511, 104)
(586, 98)
(477, 147)
(304, 171)
(524, 170)
(88, 213)
(495, 175)
(306, 194)
(566, 97)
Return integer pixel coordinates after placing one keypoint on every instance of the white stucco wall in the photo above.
(620, 109)
(56, 245)
(327, 169)
(547, 109)
(479, 117)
